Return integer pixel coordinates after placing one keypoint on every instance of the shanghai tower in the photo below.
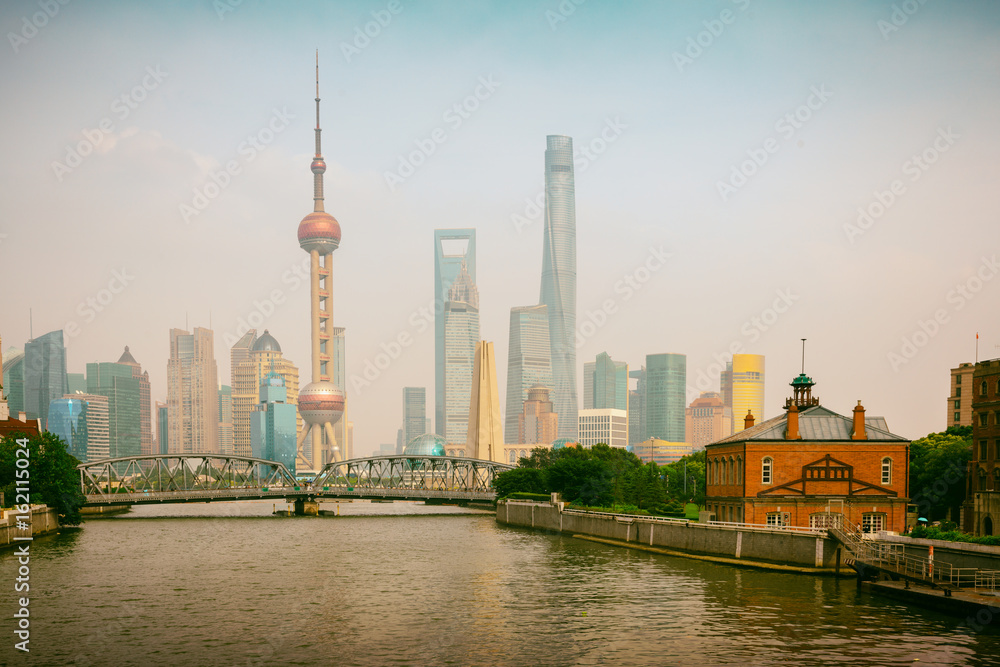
(559, 278)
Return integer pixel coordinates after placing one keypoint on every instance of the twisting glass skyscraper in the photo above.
(559, 277)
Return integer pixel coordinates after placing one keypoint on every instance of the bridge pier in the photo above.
(305, 507)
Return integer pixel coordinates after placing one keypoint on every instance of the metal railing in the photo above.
(767, 527)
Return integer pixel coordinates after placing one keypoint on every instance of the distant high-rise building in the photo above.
(44, 374)
(162, 429)
(726, 385)
(461, 333)
(272, 424)
(192, 393)
(747, 388)
(13, 380)
(453, 249)
(537, 424)
(589, 367)
(145, 408)
(414, 413)
(637, 407)
(707, 419)
(226, 420)
(661, 452)
(338, 342)
(254, 359)
(609, 383)
(386, 449)
(528, 362)
(603, 425)
(558, 290)
(960, 398)
(485, 434)
(81, 420)
(665, 383)
(350, 441)
(116, 382)
(77, 382)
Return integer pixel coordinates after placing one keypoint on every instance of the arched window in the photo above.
(982, 388)
(765, 470)
(512, 456)
(732, 472)
(715, 471)
(739, 469)
(886, 471)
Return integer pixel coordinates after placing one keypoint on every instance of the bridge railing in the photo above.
(413, 472)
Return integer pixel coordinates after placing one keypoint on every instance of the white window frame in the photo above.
(767, 470)
(886, 471)
(872, 522)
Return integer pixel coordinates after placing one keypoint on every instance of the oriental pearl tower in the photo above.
(321, 402)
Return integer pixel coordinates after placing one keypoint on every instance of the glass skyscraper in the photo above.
(13, 381)
(272, 424)
(81, 420)
(528, 363)
(461, 333)
(747, 388)
(559, 278)
(414, 413)
(44, 374)
(117, 383)
(453, 248)
(665, 384)
(192, 393)
(605, 383)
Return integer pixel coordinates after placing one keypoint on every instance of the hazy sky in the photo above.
(739, 138)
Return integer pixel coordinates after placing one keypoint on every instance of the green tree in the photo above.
(645, 488)
(938, 464)
(53, 476)
(695, 492)
(580, 478)
(520, 480)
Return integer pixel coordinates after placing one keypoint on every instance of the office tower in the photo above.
(44, 374)
(528, 361)
(707, 419)
(226, 420)
(350, 441)
(321, 402)
(603, 425)
(145, 411)
(461, 333)
(453, 249)
(726, 385)
(340, 430)
(77, 382)
(81, 420)
(747, 388)
(637, 407)
(272, 424)
(609, 383)
(666, 383)
(537, 424)
(414, 413)
(116, 382)
(13, 381)
(485, 435)
(254, 358)
(589, 367)
(162, 429)
(192, 393)
(959, 403)
(558, 290)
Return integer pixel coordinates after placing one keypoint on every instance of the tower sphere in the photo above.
(319, 231)
(318, 166)
(321, 402)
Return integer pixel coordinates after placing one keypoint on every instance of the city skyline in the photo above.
(912, 105)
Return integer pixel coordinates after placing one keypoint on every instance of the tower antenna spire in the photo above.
(803, 356)
(318, 165)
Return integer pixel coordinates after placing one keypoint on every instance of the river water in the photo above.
(405, 584)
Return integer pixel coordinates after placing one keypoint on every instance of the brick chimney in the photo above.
(748, 420)
(859, 423)
(792, 432)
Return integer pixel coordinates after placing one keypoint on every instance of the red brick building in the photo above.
(790, 469)
(982, 498)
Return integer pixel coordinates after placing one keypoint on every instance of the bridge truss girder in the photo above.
(428, 473)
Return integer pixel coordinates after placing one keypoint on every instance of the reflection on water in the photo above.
(405, 584)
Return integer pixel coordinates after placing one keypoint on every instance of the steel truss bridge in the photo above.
(186, 478)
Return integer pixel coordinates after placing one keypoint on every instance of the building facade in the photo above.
(415, 413)
(453, 249)
(528, 361)
(605, 383)
(661, 452)
(707, 419)
(637, 407)
(484, 439)
(272, 424)
(793, 469)
(254, 358)
(44, 374)
(981, 513)
(162, 429)
(747, 388)
(538, 424)
(226, 420)
(959, 410)
(603, 425)
(192, 393)
(558, 290)
(145, 408)
(122, 388)
(461, 333)
(665, 389)
(81, 420)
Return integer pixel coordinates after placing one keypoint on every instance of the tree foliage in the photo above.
(938, 464)
(53, 477)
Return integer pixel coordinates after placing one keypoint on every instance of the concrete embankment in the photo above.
(43, 522)
(957, 554)
(787, 549)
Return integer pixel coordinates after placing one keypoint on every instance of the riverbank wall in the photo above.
(957, 554)
(811, 550)
(44, 521)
